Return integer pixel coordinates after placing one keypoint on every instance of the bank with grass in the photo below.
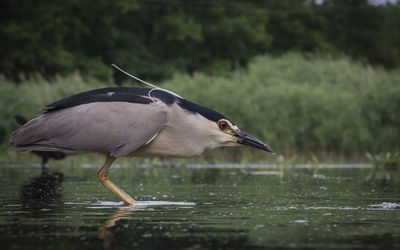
(299, 105)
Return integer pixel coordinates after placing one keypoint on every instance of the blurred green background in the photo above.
(308, 77)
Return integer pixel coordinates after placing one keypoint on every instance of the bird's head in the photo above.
(216, 129)
(228, 134)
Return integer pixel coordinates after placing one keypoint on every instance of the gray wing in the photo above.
(117, 128)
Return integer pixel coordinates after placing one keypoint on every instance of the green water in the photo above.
(200, 208)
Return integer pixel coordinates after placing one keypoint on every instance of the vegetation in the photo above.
(154, 39)
(298, 105)
(307, 105)
(387, 160)
(386, 167)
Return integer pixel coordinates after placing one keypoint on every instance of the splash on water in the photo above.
(384, 206)
(138, 204)
(301, 221)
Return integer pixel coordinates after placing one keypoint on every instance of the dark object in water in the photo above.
(43, 189)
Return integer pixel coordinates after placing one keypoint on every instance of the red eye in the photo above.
(223, 125)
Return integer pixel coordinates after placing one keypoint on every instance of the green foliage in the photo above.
(385, 160)
(295, 104)
(362, 30)
(386, 166)
(150, 39)
(155, 39)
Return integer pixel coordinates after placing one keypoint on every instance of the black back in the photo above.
(114, 94)
(132, 95)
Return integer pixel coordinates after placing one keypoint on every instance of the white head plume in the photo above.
(142, 81)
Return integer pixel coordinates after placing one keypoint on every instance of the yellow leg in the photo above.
(102, 175)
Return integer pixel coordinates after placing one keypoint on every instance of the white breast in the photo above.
(185, 134)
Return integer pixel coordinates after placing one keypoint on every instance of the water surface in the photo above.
(200, 208)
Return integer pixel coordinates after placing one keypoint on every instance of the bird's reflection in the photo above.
(42, 190)
(106, 235)
(121, 213)
(39, 197)
(166, 228)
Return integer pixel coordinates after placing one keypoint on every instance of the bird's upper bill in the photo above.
(246, 139)
(231, 133)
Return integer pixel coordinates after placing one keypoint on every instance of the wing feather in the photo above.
(117, 128)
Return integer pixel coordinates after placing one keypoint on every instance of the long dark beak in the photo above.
(249, 140)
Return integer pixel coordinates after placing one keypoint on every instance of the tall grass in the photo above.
(296, 104)
(306, 105)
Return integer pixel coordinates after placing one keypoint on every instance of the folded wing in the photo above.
(117, 128)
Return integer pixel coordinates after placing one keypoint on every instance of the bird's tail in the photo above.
(33, 136)
(29, 136)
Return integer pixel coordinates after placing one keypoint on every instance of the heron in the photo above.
(129, 122)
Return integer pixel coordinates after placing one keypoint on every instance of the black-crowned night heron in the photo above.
(126, 121)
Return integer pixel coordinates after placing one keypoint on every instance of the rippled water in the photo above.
(200, 208)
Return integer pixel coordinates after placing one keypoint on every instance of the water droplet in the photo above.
(301, 221)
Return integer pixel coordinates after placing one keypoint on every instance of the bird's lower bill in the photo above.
(249, 140)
